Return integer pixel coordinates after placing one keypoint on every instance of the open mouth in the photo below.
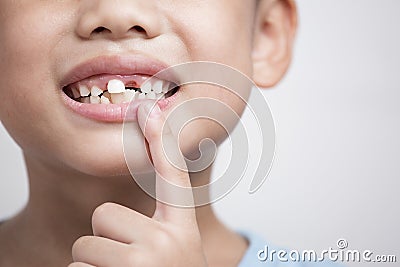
(119, 89)
(111, 88)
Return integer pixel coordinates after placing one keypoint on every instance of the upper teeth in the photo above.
(115, 87)
(96, 91)
(84, 91)
(157, 87)
(146, 88)
(117, 93)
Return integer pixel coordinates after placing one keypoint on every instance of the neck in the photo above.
(61, 204)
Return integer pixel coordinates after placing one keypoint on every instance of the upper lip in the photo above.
(118, 65)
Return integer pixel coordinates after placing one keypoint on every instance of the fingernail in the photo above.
(153, 110)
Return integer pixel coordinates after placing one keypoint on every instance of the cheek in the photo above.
(212, 35)
(26, 40)
(218, 31)
(193, 123)
(29, 32)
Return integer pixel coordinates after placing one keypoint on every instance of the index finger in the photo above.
(174, 193)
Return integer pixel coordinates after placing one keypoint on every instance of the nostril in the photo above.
(138, 29)
(101, 30)
(117, 32)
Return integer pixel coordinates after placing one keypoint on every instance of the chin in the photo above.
(113, 170)
(101, 159)
(99, 166)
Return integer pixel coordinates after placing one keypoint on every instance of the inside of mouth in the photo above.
(131, 92)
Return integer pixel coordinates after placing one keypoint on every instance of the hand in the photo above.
(126, 238)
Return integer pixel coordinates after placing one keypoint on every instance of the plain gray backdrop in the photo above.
(337, 114)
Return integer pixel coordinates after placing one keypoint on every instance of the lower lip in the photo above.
(117, 113)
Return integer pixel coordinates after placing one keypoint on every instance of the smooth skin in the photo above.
(75, 165)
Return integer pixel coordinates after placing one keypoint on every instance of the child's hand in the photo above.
(125, 238)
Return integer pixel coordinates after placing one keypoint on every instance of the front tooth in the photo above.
(146, 87)
(166, 86)
(104, 100)
(84, 90)
(95, 100)
(96, 91)
(158, 87)
(118, 98)
(115, 87)
(142, 96)
(151, 96)
(130, 95)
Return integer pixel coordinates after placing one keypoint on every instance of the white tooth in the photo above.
(130, 95)
(146, 87)
(104, 100)
(151, 95)
(115, 87)
(166, 87)
(142, 96)
(117, 98)
(96, 91)
(95, 100)
(158, 86)
(76, 93)
(84, 90)
(85, 100)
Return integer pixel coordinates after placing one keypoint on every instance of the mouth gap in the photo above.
(68, 91)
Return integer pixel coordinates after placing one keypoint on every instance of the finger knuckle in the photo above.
(163, 239)
(79, 244)
(100, 213)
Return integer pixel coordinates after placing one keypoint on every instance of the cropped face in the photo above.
(66, 67)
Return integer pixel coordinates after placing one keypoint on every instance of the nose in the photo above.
(117, 19)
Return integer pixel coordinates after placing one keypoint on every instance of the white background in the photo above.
(337, 114)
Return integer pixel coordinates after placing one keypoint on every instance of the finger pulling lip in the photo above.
(115, 65)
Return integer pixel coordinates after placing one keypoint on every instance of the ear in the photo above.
(275, 29)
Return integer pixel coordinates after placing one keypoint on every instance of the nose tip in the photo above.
(116, 20)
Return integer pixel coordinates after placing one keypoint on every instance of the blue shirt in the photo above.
(256, 244)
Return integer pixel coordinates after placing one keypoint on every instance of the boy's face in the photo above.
(43, 41)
